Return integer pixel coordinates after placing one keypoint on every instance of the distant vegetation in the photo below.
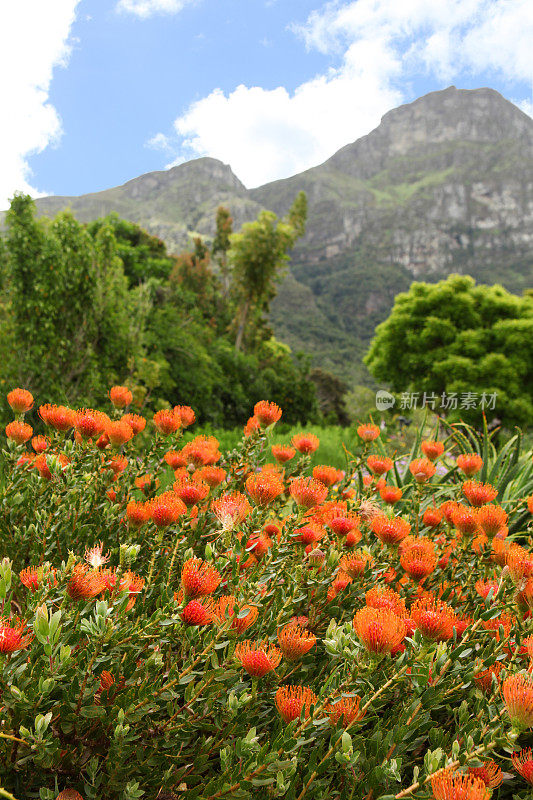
(84, 306)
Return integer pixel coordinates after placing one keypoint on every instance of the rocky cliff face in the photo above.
(443, 184)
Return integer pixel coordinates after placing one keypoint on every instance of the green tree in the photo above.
(456, 337)
(257, 255)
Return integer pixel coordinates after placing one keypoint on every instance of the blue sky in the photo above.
(104, 90)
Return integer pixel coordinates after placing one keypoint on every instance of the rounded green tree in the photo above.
(461, 349)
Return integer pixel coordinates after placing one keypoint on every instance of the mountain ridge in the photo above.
(443, 184)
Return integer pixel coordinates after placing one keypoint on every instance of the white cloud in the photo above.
(526, 106)
(159, 142)
(147, 8)
(381, 45)
(34, 38)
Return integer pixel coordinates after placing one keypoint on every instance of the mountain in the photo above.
(443, 184)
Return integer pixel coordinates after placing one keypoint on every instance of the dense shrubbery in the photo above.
(181, 622)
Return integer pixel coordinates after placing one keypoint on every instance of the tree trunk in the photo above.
(242, 323)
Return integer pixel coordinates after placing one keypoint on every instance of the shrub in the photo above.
(184, 622)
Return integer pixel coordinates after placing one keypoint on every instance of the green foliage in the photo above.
(456, 337)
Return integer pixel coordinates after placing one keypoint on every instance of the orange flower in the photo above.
(120, 396)
(518, 695)
(69, 794)
(282, 452)
(40, 443)
(432, 449)
(491, 519)
(90, 423)
(135, 421)
(379, 465)
(20, 400)
(264, 487)
(490, 773)
(484, 678)
(186, 415)
(464, 518)
(340, 520)
(295, 642)
(191, 492)
(418, 558)
(231, 509)
(60, 418)
(252, 426)
(432, 517)
(327, 475)
(344, 710)
(257, 658)
(390, 494)
(479, 493)
(33, 577)
(386, 599)
(165, 509)
(137, 513)
(198, 578)
(197, 613)
(504, 620)
(433, 618)
(356, 563)
(117, 464)
(520, 563)
(166, 422)
(305, 442)
(309, 534)
(381, 631)
(226, 609)
(85, 583)
(483, 588)
(292, 700)
(213, 476)
(259, 544)
(529, 501)
(422, 469)
(368, 432)
(175, 459)
(119, 433)
(201, 450)
(523, 764)
(307, 492)
(390, 530)
(267, 413)
(470, 463)
(19, 432)
(447, 784)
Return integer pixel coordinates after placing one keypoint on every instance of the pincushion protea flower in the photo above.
(479, 493)
(518, 695)
(390, 530)
(327, 475)
(137, 513)
(484, 678)
(252, 426)
(33, 577)
(94, 556)
(523, 764)
(432, 517)
(85, 583)
(295, 642)
(309, 534)
(165, 509)
(344, 710)
(422, 469)
(119, 432)
(491, 519)
(432, 449)
(191, 492)
(12, 636)
(20, 400)
(186, 415)
(227, 608)
(433, 618)
(307, 492)
(379, 465)
(264, 487)
(201, 451)
(387, 599)
(368, 432)
(19, 432)
(418, 557)
(292, 700)
(211, 475)
(305, 443)
(267, 413)
(135, 421)
(257, 658)
(390, 494)
(166, 422)
(356, 563)
(490, 773)
(380, 630)
(231, 509)
(198, 578)
(447, 784)
(198, 613)
(60, 418)
(464, 519)
(69, 794)
(469, 463)
(120, 396)
(40, 443)
(283, 452)
(90, 423)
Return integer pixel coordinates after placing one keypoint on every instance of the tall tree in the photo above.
(257, 254)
